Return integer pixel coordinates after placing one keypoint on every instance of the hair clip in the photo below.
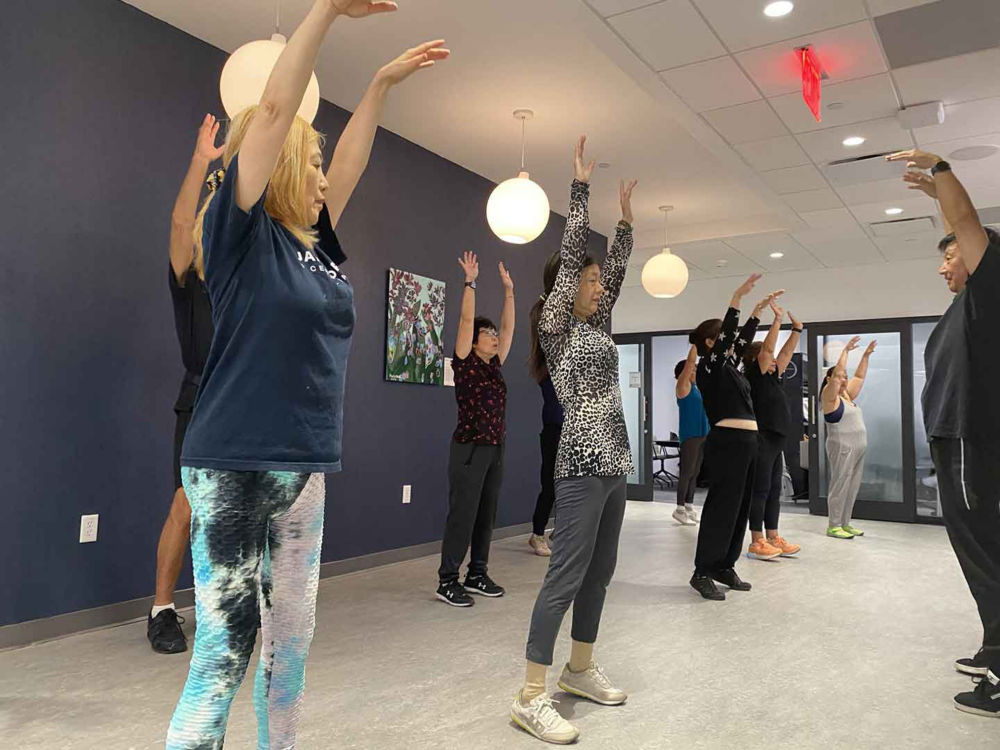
(214, 179)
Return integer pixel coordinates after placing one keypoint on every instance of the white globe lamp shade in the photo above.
(245, 76)
(518, 210)
(664, 275)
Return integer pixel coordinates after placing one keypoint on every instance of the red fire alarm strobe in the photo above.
(812, 76)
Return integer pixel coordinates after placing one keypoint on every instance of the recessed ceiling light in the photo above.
(854, 140)
(778, 9)
(604, 165)
(971, 153)
(721, 263)
(777, 255)
(894, 211)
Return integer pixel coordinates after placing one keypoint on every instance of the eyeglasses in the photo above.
(489, 332)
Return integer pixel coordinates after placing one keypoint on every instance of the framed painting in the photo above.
(414, 328)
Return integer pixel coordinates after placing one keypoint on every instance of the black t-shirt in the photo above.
(193, 321)
(962, 360)
(769, 402)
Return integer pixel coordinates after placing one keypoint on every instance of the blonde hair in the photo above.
(285, 198)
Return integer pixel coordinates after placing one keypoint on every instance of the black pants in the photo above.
(766, 504)
(692, 453)
(969, 485)
(547, 496)
(731, 454)
(475, 473)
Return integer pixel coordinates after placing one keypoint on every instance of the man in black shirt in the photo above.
(961, 405)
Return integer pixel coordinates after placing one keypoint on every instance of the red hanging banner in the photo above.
(812, 75)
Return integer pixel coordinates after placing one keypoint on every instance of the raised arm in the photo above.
(350, 158)
(284, 91)
(956, 205)
(186, 205)
(558, 307)
(467, 322)
(749, 329)
(731, 322)
(616, 264)
(788, 350)
(766, 356)
(683, 387)
(858, 381)
(506, 315)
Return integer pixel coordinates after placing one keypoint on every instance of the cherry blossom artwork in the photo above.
(414, 329)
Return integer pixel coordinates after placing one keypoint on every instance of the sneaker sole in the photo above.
(483, 593)
(755, 556)
(537, 736)
(977, 711)
(844, 538)
(185, 648)
(971, 671)
(581, 694)
(448, 601)
(790, 554)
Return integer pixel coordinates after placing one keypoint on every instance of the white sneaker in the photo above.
(680, 515)
(692, 514)
(540, 719)
(592, 684)
(539, 544)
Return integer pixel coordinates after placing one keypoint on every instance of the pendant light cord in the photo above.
(522, 142)
(277, 16)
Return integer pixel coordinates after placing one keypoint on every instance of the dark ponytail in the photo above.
(537, 365)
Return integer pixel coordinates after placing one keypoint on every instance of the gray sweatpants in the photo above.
(847, 465)
(590, 512)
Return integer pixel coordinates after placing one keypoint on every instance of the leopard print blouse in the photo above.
(581, 356)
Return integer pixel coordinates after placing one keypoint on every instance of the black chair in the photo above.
(662, 477)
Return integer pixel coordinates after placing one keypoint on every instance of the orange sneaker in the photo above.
(761, 550)
(787, 548)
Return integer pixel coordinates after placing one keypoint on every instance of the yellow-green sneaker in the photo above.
(851, 530)
(839, 532)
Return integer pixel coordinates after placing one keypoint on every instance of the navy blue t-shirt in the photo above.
(272, 391)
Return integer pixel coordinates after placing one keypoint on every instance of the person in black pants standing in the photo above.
(475, 465)
(961, 405)
(731, 448)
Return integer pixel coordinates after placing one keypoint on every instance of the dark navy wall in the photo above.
(99, 112)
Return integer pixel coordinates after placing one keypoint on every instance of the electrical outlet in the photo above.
(88, 528)
(406, 493)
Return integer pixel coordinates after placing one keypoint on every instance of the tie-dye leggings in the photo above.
(255, 546)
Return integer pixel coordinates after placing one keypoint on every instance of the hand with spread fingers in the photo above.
(915, 158)
(417, 58)
(361, 8)
(581, 168)
(470, 264)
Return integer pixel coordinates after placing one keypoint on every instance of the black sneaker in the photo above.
(165, 634)
(729, 578)
(977, 666)
(984, 700)
(451, 592)
(707, 588)
(483, 585)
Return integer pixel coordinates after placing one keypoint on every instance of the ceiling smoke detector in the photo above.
(972, 153)
(721, 263)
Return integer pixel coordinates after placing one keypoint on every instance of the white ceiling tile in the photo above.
(954, 79)
(812, 238)
(712, 84)
(874, 192)
(962, 120)
(862, 99)
(881, 7)
(832, 218)
(880, 136)
(611, 7)
(707, 255)
(850, 252)
(746, 122)
(846, 53)
(909, 248)
(915, 205)
(758, 247)
(668, 34)
(742, 23)
(813, 200)
(794, 179)
(972, 173)
(773, 153)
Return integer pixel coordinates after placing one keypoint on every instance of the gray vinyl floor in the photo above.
(849, 646)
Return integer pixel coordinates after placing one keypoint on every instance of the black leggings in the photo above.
(692, 453)
(766, 505)
(731, 455)
(547, 496)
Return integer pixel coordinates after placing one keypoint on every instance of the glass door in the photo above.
(886, 402)
(634, 365)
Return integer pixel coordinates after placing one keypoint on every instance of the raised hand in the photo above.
(508, 282)
(871, 348)
(414, 59)
(361, 8)
(581, 168)
(921, 181)
(796, 323)
(470, 264)
(852, 344)
(747, 286)
(915, 158)
(625, 196)
(768, 300)
(778, 310)
(205, 147)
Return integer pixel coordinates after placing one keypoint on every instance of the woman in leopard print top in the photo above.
(592, 464)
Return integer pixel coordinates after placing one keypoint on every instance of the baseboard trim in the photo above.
(31, 632)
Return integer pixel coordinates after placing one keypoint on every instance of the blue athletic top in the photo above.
(694, 421)
(272, 391)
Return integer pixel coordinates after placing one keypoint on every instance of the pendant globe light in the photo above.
(248, 68)
(518, 209)
(665, 275)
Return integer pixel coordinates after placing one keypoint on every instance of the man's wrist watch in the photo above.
(470, 284)
(941, 166)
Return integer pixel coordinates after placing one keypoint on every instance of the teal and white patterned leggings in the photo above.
(255, 546)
